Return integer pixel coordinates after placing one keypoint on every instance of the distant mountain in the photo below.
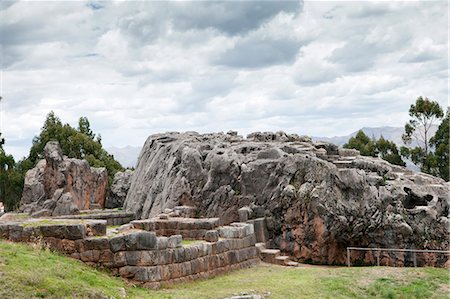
(390, 133)
(127, 156)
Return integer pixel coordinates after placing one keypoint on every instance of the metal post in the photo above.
(378, 258)
(348, 257)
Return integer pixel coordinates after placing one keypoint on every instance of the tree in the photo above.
(440, 141)
(80, 143)
(362, 143)
(385, 149)
(11, 180)
(424, 113)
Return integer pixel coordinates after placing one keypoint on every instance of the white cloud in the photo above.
(136, 68)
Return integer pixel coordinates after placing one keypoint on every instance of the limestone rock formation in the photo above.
(119, 189)
(59, 185)
(318, 199)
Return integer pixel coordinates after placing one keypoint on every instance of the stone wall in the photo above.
(188, 228)
(112, 217)
(142, 256)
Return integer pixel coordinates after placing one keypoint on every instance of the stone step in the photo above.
(343, 164)
(260, 246)
(291, 264)
(281, 260)
(269, 255)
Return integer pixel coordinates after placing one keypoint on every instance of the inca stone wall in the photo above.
(142, 256)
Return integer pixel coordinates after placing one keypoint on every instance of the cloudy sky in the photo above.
(136, 68)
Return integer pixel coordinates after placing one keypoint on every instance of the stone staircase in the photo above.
(273, 256)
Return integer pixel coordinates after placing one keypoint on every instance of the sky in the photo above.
(138, 68)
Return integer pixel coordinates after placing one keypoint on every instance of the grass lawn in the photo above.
(26, 272)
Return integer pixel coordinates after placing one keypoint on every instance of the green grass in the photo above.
(27, 272)
(44, 222)
(190, 242)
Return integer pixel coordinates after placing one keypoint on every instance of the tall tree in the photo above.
(440, 141)
(80, 143)
(385, 149)
(11, 180)
(363, 143)
(424, 114)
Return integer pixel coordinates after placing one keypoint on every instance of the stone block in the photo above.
(260, 229)
(106, 257)
(138, 224)
(175, 271)
(64, 231)
(87, 256)
(185, 268)
(162, 243)
(146, 240)
(188, 253)
(196, 266)
(212, 236)
(165, 272)
(96, 228)
(128, 271)
(4, 231)
(133, 257)
(174, 241)
(93, 243)
(68, 246)
(165, 257)
(179, 255)
(120, 259)
(117, 243)
(15, 233)
(134, 241)
(149, 257)
(245, 213)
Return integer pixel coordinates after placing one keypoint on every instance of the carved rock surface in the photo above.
(317, 199)
(119, 189)
(59, 185)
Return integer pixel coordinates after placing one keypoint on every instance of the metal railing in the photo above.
(379, 250)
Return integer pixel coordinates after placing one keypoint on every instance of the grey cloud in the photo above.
(355, 56)
(153, 19)
(257, 53)
(232, 17)
(6, 3)
(415, 57)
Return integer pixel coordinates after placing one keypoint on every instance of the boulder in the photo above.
(119, 189)
(314, 199)
(59, 185)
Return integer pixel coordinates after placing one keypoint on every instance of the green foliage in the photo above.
(382, 148)
(424, 113)
(440, 141)
(387, 150)
(80, 143)
(11, 180)
(362, 143)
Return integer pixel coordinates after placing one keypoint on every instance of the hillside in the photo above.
(390, 133)
(28, 272)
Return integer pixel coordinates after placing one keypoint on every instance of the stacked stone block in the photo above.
(111, 217)
(141, 255)
(188, 228)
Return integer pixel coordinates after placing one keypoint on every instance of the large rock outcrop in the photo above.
(119, 189)
(59, 185)
(318, 199)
